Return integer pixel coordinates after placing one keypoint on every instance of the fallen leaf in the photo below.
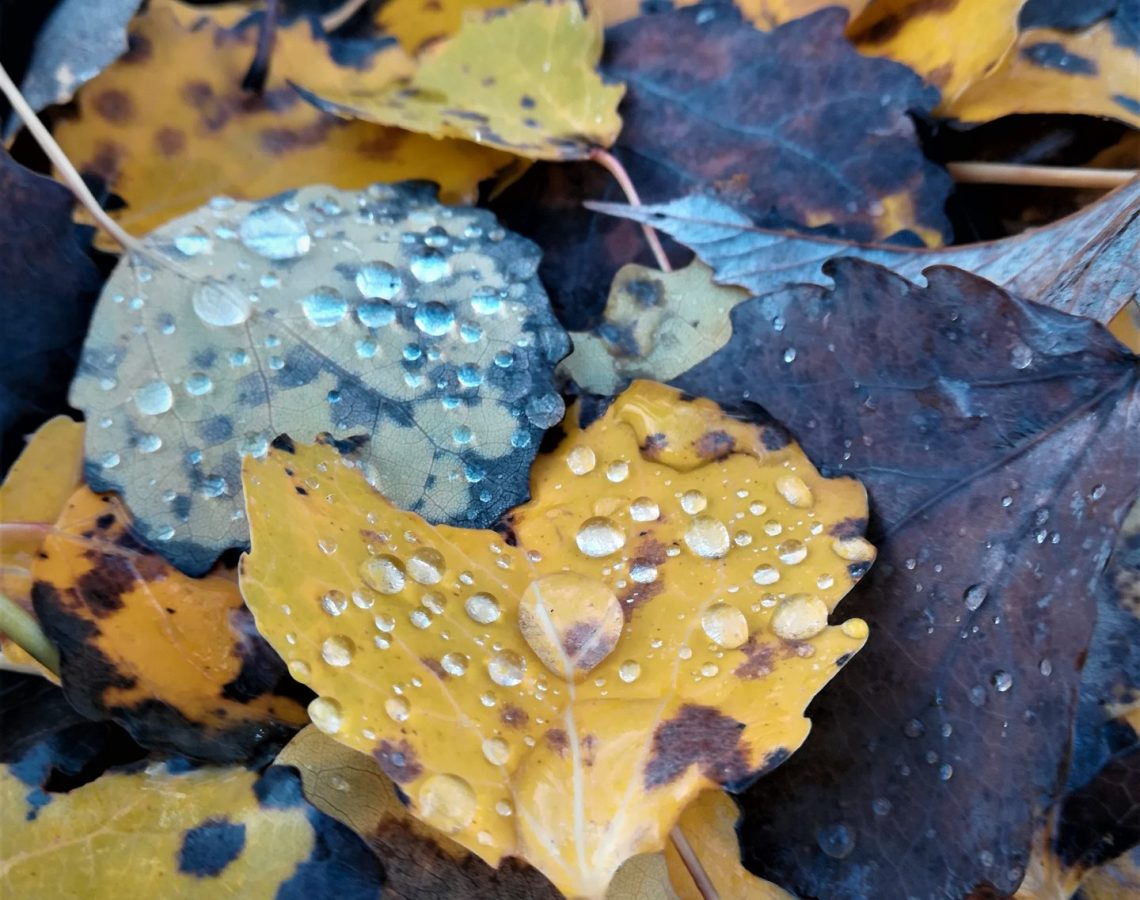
(488, 673)
(656, 325)
(174, 660)
(414, 331)
(521, 79)
(167, 132)
(996, 438)
(417, 23)
(47, 288)
(167, 833)
(1118, 880)
(764, 14)
(1085, 264)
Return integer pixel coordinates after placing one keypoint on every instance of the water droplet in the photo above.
(790, 355)
(881, 806)
(643, 509)
(617, 471)
(193, 244)
(707, 537)
(795, 491)
(150, 443)
(581, 460)
(725, 625)
(978, 695)
(383, 573)
(154, 398)
(109, 460)
(600, 536)
(427, 566)
(398, 709)
(742, 538)
(198, 384)
(757, 508)
(946, 771)
(799, 617)
(855, 628)
(772, 528)
(629, 671)
(1002, 681)
(504, 808)
(334, 603)
(975, 596)
(299, 669)
(496, 751)
(914, 728)
(385, 623)
(791, 552)
(486, 300)
(545, 410)
(483, 608)
(337, 650)
(379, 281)
(447, 802)
(766, 574)
(326, 714)
(324, 307)
(274, 234)
(434, 319)
(429, 265)
(1046, 668)
(710, 670)
(570, 621)
(1020, 356)
(693, 502)
(220, 304)
(643, 572)
(837, 840)
(454, 664)
(853, 549)
(506, 668)
(420, 619)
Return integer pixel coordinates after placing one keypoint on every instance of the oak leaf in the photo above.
(652, 623)
(521, 79)
(416, 331)
(174, 660)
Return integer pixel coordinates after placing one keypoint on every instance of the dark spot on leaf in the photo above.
(514, 716)
(527, 102)
(436, 669)
(843, 660)
(115, 106)
(285, 443)
(701, 736)
(758, 660)
(170, 141)
(105, 521)
(346, 446)
(279, 788)
(715, 445)
(398, 761)
(139, 49)
(654, 445)
(774, 437)
(647, 292)
(300, 490)
(890, 25)
(1052, 55)
(210, 847)
(1129, 103)
(557, 740)
(577, 636)
(216, 430)
(848, 528)
(637, 595)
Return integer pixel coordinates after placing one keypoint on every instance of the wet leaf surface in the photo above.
(413, 331)
(996, 440)
(521, 79)
(175, 660)
(417, 23)
(616, 636)
(47, 288)
(167, 133)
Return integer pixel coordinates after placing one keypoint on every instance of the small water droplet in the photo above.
(496, 751)
(629, 671)
(643, 572)
(1002, 681)
(617, 471)
(1020, 356)
(1046, 668)
(398, 709)
(429, 265)
(434, 319)
(338, 650)
(454, 664)
(193, 243)
(581, 460)
(447, 802)
(837, 840)
(324, 307)
(299, 669)
(506, 668)
(109, 460)
(772, 528)
(946, 771)
(795, 491)
(766, 574)
(644, 509)
(853, 549)
(600, 536)
(427, 566)
(154, 398)
(384, 573)
(975, 596)
(914, 728)
(724, 625)
(707, 537)
(545, 410)
(483, 608)
(486, 300)
(274, 233)
(757, 508)
(420, 618)
(379, 281)
(385, 623)
(791, 552)
(799, 617)
(334, 603)
(326, 714)
(790, 355)
(198, 384)
(881, 806)
(150, 443)
(216, 303)
(693, 502)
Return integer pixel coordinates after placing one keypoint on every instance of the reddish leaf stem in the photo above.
(1038, 176)
(693, 864)
(613, 165)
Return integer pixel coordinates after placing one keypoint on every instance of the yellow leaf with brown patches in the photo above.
(168, 132)
(416, 23)
(173, 659)
(718, 543)
(522, 79)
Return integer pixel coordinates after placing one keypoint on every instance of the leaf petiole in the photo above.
(22, 628)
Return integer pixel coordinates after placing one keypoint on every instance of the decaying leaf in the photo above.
(417, 333)
(167, 131)
(175, 660)
(189, 834)
(47, 288)
(652, 623)
(997, 441)
(1085, 264)
(417, 23)
(656, 325)
(521, 79)
(1117, 880)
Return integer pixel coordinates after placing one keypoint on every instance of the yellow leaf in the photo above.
(416, 23)
(522, 79)
(209, 833)
(169, 126)
(652, 623)
(1050, 71)
(163, 654)
(709, 826)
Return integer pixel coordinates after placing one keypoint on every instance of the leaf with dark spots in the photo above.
(431, 355)
(996, 439)
(172, 659)
(48, 287)
(697, 736)
(208, 848)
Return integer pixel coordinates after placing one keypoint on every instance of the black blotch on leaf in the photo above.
(279, 788)
(208, 848)
(697, 735)
(285, 443)
(1051, 55)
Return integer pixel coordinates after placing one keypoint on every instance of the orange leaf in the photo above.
(652, 623)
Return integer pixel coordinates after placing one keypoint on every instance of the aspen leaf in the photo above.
(416, 23)
(652, 623)
(173, 659)
(416, 331)
(521, 79)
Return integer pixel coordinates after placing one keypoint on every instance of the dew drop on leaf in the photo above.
(220, 304)
(1002, 681)
(379, 281)
(766, 574)
(600, 536)
(454, 664)
(324, 307)
(693, 502)
(448, 802)
(644, 509)
(496, 751)
(326, 714)
(791, 552)
(383, 573)
(434, 319)
(398, 709)
(629, 671)
(725, 625)
(545, 410)
(337, 650)
(198, 384)
(795, 491)
(506, 668)
(334, 603)
(427, 566)
(154, 398)
(483, 608)
(799, 617)
(707, 537)
(429, 265)
(837, 840)
(975, 596)
(581, 460)
(275, 234)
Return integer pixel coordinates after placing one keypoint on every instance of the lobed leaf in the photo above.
(414, 331)
(652, 623)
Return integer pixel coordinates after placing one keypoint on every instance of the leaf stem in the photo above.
(334, 18)
(613, 165)
(67, 171)
(1038, 176)
(693, 864)
(25, 632)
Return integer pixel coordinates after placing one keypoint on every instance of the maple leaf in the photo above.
(618, 638)
(415, 331)
(998, 453)
(520, 79)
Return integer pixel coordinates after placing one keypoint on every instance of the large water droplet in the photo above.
(799, 617)
(454, 664)
(384, 573)
(581, 460)
(220, 304)
(274, 233)
(795, 491)
(707, 537)
(570, 621)
(193, 243)
(379, 281)
(853, 549)
(486, 300)
(483, 608)
(324, 307)
(434, 319)
(154, 398)
(791, 552)
(644, 509)
(337, 650)
(326, 714)
(975, 596)
(334, 603)
(693, 502)
(427, 566)
(496, 751)
(600, 536)
(837, 840)
(375, 315)
(725, 625)
(429, 265)
(447, 802)
(506, 668)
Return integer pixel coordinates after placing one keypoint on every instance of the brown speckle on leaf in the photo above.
(715, 445)
(700, 736)
(557, 740)
(758, 660)
(637, 595)
(654, 444)
(398, 761)
(514, 716)
(115, 106)
(848, 528)
(436, 669)
(170, 141)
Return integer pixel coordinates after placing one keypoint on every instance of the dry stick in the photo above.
(1038, 176)
(333, 19)
(693, 864)
(25, 632)
(611, 164)
(66, 170)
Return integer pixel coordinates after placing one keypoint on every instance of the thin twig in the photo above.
(25, 632)
(613, 165)
(63, 165)
(334, 18)
(693, 864)
(258, 72)
(1038, 176)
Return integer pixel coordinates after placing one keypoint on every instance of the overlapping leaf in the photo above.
(415, 331)
(521, 79)
(997, 440)
(652, 623)
(167, 131)
(175, 660)
(417, 23)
